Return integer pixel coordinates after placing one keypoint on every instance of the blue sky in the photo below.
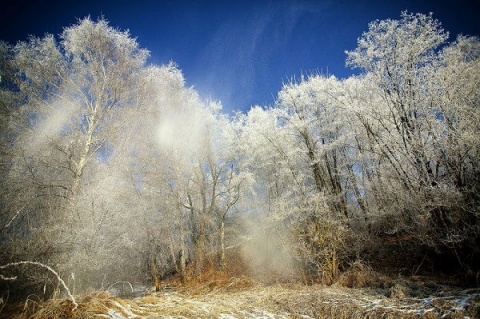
(238, 52)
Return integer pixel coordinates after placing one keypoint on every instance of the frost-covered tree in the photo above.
(418, 95)
(74, 89)
(298, 155)
(455, 96)
(389, 150)
(397, 54)
(314, 113)
(183, 172)
(9, 102)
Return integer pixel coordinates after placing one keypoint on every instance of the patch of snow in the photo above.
(264, 314)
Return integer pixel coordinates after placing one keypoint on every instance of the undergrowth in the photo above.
(359, 292)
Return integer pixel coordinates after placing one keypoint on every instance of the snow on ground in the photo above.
(296, 302)
(400, 299)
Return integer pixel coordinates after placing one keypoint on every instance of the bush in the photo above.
(319, 249)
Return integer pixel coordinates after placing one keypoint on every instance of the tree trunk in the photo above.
(154, 271)
(316, 170)
(223, 262)
(200, 257)
(182, 261)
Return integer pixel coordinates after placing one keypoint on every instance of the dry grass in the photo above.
(360, 275)
(212, 280)
(218, 294)
(88, 307)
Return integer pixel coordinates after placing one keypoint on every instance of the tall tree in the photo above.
(73, 90)
(397, 53)
(410, 127)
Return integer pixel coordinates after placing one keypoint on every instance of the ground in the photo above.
(243, 298)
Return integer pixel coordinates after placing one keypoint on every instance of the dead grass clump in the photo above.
(50, 309)
(96, 295)
(89, 307)
(360, 275)
(216, 282)
(343, 303)
(316, 307)
(94, 303)
(232, 277)
(399, 291)
(149, 299)
(473, 310)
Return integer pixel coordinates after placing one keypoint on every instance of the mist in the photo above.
(269, 252)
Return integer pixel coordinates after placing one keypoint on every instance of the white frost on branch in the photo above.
(7, 278)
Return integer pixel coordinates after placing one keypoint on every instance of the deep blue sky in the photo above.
(238, 52)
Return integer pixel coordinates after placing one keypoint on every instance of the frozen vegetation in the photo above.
(113, 172)
(276, 301)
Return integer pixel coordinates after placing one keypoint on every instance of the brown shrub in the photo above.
(360, 275)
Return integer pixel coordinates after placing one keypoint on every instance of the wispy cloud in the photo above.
(233, 64)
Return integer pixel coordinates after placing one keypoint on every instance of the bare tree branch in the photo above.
(60, 280)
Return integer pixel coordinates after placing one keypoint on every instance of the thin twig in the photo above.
(13, 218)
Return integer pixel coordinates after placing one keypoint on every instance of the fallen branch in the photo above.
(8, 278)
(60, 280)
(120, 282)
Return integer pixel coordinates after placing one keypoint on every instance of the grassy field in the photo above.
(245, 298)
